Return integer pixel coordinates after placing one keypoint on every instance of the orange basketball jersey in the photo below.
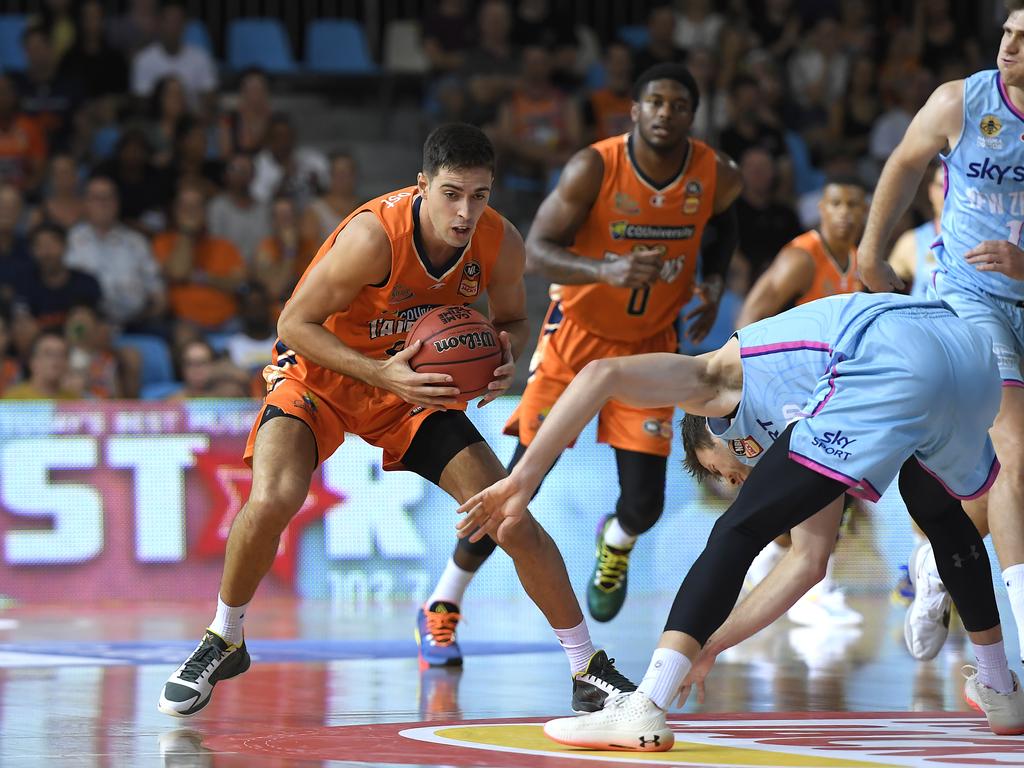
(829, 278)
(376, 322)
(632, 213)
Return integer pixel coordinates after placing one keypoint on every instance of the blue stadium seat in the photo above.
(160, 390)
(196, 34)
(338, 47)
(259, 42)
(157, 367)
(12, 57)
(635, 36)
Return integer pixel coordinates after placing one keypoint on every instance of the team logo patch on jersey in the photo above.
(991, 125)
(691, 201)
(399, 294)
(746, 446)
(469, 285)
(626, 205)
(658, 428)
(308, 403)
(624, 230)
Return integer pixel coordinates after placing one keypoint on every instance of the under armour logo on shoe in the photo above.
(656, 740)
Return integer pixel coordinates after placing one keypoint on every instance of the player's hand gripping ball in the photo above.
(460, 342)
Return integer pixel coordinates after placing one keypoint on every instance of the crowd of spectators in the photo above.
(135, 205)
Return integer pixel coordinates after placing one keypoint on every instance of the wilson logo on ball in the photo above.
(473, 340)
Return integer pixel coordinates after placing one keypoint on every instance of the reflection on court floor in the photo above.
(330, 687)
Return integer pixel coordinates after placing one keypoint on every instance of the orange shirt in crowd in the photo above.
(21, 145)
(194, 300)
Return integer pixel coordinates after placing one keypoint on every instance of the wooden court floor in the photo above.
(340, 686)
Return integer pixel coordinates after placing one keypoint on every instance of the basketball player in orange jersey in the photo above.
(620, 236)
(821, 262)
(339, 367)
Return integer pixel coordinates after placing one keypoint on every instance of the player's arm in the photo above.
(706, 384)
(506, 301)
(937, 125)
(903, 258)
(789, 277)
(718, 244)
(361, 256)
(800, 568)
(558, 220)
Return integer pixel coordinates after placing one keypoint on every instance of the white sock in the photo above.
(452, 585)
(1013, 578)
(666, 673)
(765, 561)
(577, 645)
(993, 669)
(228, 622)
(614, 536)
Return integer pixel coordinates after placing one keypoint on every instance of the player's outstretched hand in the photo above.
(703, 316)
(880, 277)
(502, 374)
(487, 511)
(634, 270)
(432, 390)
(997, 256)
(701, 666)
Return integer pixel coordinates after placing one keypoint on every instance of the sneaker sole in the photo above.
(659, 741)
(164, 706)
(998, 731)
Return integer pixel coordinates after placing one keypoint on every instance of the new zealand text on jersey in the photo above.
(1003, 203)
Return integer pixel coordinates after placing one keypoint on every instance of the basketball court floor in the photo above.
(340, 686)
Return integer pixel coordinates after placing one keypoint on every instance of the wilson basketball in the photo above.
(458, 341)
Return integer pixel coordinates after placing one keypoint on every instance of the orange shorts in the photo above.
(562, 351)
(380, 417)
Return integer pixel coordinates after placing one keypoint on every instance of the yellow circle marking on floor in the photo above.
(531, 738)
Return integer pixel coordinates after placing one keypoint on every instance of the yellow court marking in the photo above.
(531, 738)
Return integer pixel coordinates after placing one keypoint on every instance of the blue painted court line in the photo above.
(267, 651)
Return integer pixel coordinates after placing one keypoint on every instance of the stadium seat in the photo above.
(160, 390)
(12, 56)
(403, 47)
(259, 42)
(157, 367)
(196, 34)
(635, 36)
(337, 47)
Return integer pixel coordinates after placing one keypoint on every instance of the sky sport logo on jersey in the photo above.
(835, 444)
(623, 230)
(990, 170)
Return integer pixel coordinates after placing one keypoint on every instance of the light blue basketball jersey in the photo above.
(984, 184)
(871, 379)
(925, 262)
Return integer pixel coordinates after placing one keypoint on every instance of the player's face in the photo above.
(663, 115)
(843, 209)
(937, 190)
(1011, 50)
(720, 461)
(455, 201)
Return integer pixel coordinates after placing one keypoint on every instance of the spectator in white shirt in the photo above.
(300, 173)
(170, 55)
(234, 214)
(120, 259)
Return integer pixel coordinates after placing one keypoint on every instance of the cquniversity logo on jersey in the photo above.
(624, 230)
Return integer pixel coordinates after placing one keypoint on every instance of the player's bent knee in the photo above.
(273, 511)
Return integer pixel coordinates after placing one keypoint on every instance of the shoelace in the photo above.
(441, 627)
(611, 567)
(199, 662)
(610, 674)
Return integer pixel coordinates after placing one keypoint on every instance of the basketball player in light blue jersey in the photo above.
(871, 386)
(976, 126)
(913, 258)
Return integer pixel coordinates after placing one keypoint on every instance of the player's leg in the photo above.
(964, 566)
(778, 495)
(284, 456)
(542, 573)
(639, 506)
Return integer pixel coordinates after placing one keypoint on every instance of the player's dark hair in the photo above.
(846, 180)
(695, 436)
(668, 71)
(457, 146)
